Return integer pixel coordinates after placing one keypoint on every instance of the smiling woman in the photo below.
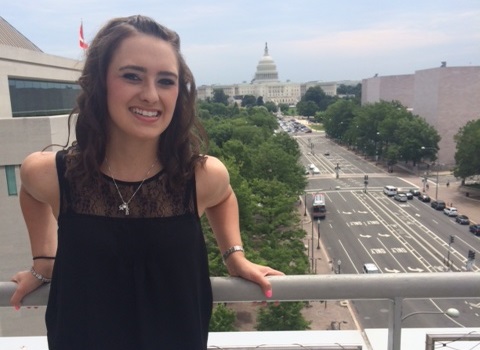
(114, 220)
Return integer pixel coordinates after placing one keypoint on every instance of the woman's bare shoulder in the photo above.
(213, 182)
(38, 173)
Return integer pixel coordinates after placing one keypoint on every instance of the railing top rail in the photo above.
(321, 287)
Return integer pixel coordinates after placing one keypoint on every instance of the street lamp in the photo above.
(436, 185)
(305, 203)
(318, 234)
(396, 319)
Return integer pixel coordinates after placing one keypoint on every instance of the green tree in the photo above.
(260, 101)
(219, 96)
(467, 155)
(271, 106)
(283, 107)
(338, 118)
(249, 101)
(282, 317)
(355, 90)
(222, 320)
(317, 95)
(307, 108)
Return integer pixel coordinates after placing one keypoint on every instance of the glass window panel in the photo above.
(11, 180)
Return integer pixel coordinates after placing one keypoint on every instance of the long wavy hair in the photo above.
(180, 144)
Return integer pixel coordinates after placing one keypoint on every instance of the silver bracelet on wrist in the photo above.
(230, 251)
(39, 276)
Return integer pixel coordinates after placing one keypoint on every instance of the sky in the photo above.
(309, 40)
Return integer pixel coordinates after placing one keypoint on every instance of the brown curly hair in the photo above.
(184, 138)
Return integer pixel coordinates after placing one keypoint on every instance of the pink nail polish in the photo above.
(268, 293)
(17, 307)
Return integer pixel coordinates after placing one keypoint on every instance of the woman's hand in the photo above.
(26, 283)
(239, 266)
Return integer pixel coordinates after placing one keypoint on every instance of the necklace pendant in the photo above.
(124, 206)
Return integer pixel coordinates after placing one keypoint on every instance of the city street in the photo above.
(363, 225)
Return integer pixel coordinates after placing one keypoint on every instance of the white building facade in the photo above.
(266, 84)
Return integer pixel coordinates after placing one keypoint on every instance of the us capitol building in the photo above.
(266, 84)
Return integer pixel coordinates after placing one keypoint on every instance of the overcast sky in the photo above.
(223, 41)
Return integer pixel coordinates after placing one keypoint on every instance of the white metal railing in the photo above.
(393, 287)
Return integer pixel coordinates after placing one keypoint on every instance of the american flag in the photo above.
(83, 43)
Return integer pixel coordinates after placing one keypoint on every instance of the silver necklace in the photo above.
(124, 206)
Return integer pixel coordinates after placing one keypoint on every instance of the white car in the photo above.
(450, 211)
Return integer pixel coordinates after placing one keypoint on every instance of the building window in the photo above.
(35, 98)
(11, 180)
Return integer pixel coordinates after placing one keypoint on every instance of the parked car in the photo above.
(475, 229)
(424, 198)
(438, 204)
(462, 220)
(450, 211)
(415, 191)
(401, 197)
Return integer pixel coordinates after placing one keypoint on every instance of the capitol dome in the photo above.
(266, 69)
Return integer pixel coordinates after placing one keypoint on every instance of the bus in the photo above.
(319, 210)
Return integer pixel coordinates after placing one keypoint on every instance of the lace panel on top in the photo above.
(154, 198)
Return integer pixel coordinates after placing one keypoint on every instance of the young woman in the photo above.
(114, 220)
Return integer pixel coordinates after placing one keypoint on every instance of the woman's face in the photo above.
(142, 88)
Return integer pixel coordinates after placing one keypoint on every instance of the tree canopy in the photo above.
(467, 155)
(386, 130)
(267, 177)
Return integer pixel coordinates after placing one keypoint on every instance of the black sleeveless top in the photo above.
(136, 282)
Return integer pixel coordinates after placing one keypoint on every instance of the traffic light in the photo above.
(471, 255)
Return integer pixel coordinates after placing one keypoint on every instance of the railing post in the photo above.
(395, 324)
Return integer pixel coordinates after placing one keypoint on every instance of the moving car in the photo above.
(409, 195)
(450, 211)
(438, 204)
(424, 198)
(370, 268)
(401, 197)
(475, 229)
(462, 219)
(415, 192)
(390, 190)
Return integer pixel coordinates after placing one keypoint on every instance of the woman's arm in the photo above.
(39, 201)
(217, 199)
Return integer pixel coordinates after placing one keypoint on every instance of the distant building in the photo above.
(446, 97)
(266, 84)
(37, 91)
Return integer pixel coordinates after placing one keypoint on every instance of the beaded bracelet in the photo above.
(230, 251)
(39, 276)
